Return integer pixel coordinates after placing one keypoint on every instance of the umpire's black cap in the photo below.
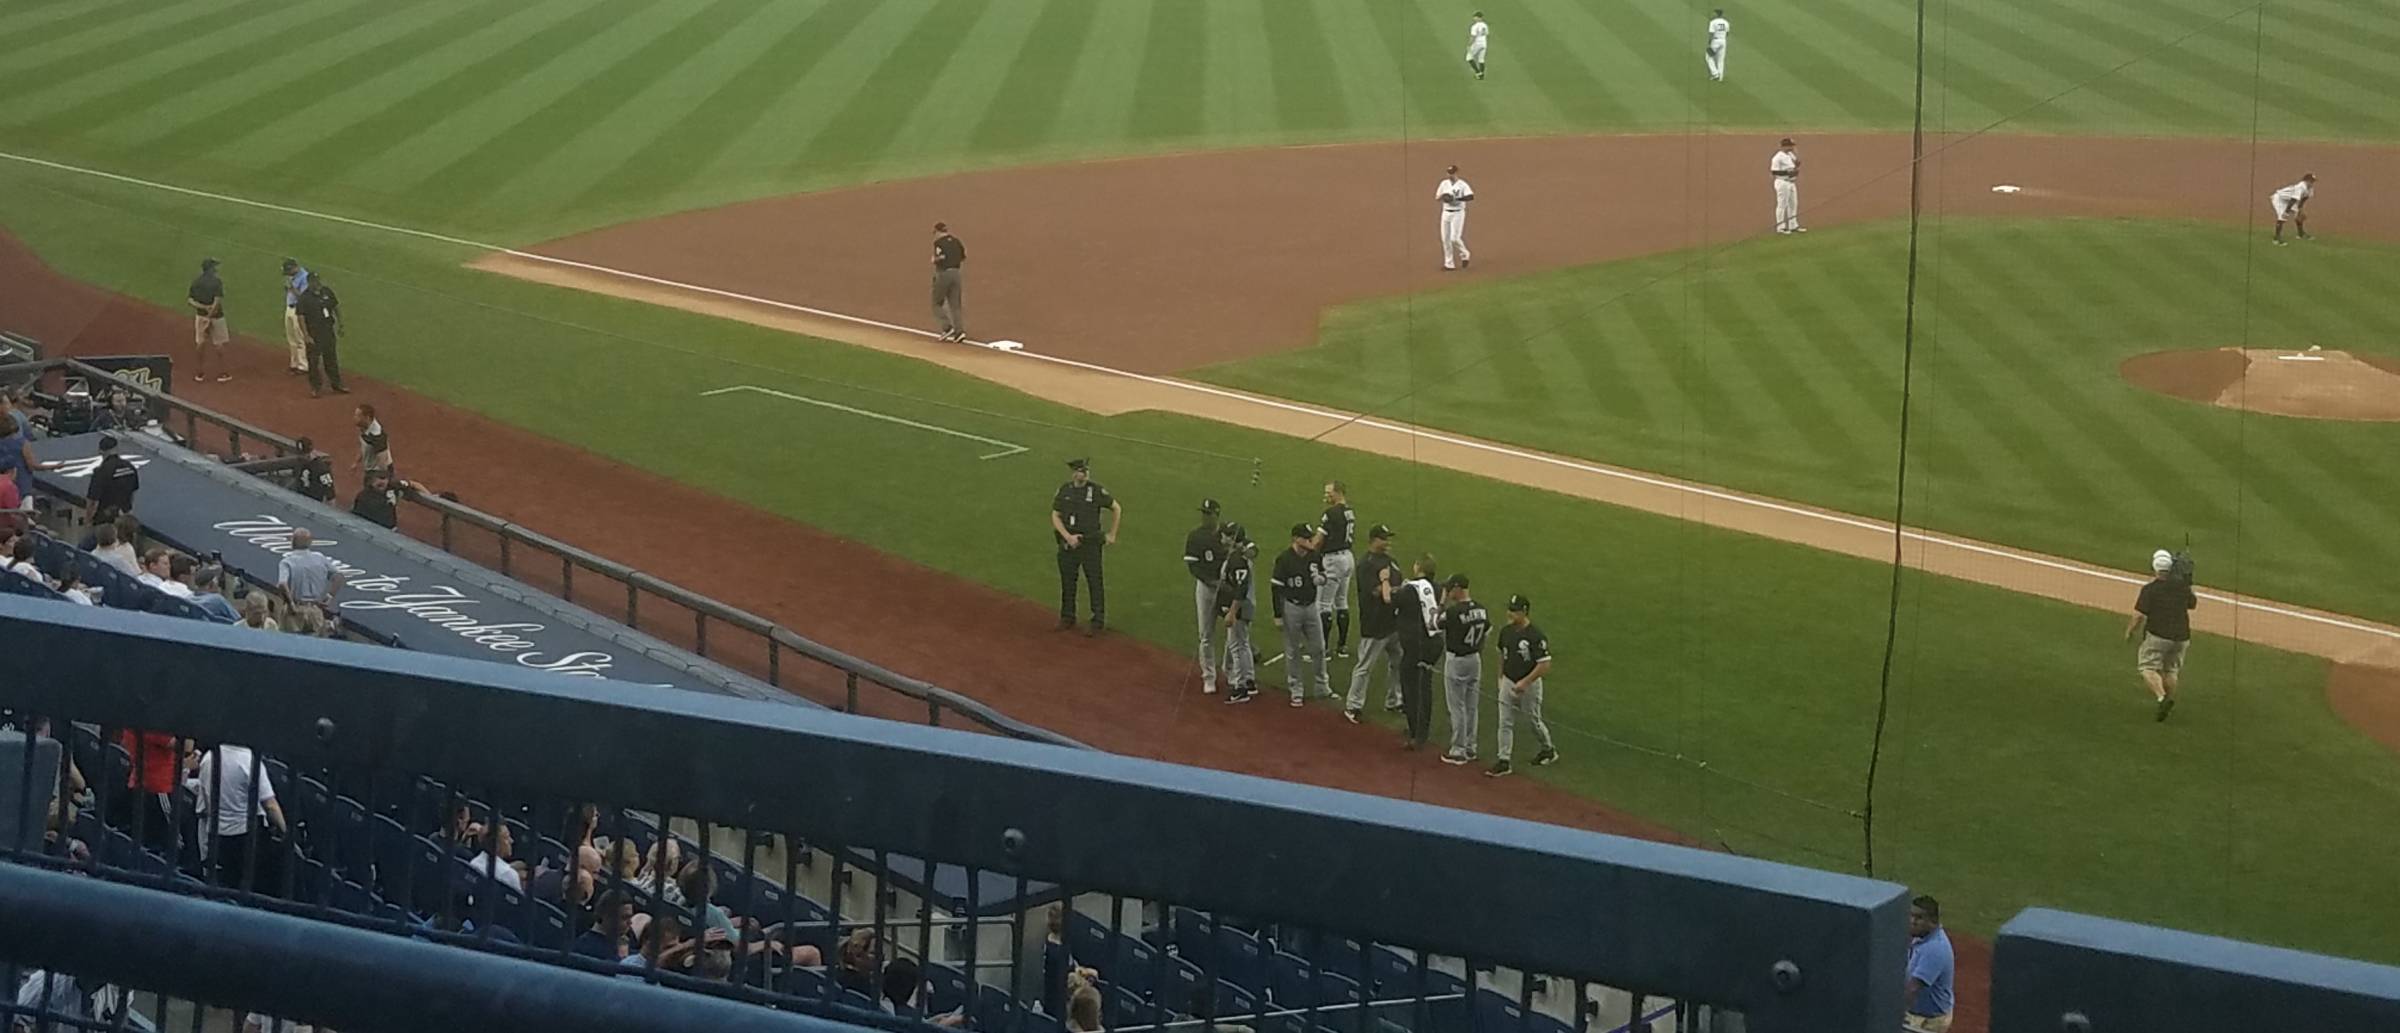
(1380, 531)
(1519, 604)
(1209, 506)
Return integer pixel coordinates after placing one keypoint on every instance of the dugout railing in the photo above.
(644, 602)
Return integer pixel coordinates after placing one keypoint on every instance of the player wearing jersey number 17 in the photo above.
(1464, 626)
(1524, 659)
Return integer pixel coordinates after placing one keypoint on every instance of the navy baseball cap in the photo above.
(1456, 581)
(1079, 464)
(1303, 531)
(1520, 604)
(1380, 531)
(1234, 531)
(207, 264)
(1209, 506)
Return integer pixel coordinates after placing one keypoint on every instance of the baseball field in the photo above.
(690, 239)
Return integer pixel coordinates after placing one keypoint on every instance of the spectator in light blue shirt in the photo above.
(306, 575)
(295, 338)
(1931, 969)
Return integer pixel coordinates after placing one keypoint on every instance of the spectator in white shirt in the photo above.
(20, 562)
(71, 585)
(234, 790)
(158, 572)
(115, 547)
(493, 862)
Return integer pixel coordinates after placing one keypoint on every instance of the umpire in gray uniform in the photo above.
(949, 283)
(1296, 579)
(1204, 556)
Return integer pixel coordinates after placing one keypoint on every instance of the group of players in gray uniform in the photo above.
(1409, 626)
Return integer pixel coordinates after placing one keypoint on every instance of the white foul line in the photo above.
(1006, 448)
(1185, 385)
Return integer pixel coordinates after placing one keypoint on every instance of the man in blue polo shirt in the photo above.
(1931, 969)
(295, 337)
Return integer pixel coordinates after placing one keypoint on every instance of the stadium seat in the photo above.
(1293, 984)
(1126, 1008)
(946, 989)
(802, 982)
(350, 845)
(1495, 1013)
(393, 869)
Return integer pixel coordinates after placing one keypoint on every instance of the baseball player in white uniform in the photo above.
(1479, 37)
(2291, 204)
(1453, 195)
(1784, 169)
(1718, 28)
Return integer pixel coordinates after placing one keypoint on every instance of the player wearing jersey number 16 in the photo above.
(1464, 626)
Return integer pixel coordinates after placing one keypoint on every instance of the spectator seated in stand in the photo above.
(158, 573)
(664, 946)
(113, 544)
(903, 981)
(258, 612)
(208, 593)
(611, 931)
(1083, 1003)
(493, 862)
(70, 584)
(20, 562)
(858, 972)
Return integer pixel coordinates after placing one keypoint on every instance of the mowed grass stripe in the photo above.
(940, 131)
(871, 117)
(554, 165)
(245, 98)
(1686, 348)
(101, 46)
(502, 72)
(1632, 86)
(597, 171)
(2207, 95)
(1973, 77)
(1760, 367)
(1578, 91)
(1673, 50)
(1026, 103)
(2318, 83)
(1100, 91)
(118, 88)
(1825, 57)
(508, 133)
(1367, 70)
(2083, 66)
(1857, 373)
(1579, 348)
(1174, 69)
(395, 97)
(1237, 99)
(31, 24)
(1300, 64)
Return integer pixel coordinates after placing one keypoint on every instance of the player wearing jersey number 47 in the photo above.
(1464, 626)
(1479, 38)
(2291, 205)
(1524, 659)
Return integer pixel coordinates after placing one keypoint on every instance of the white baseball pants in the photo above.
(1716, 60)
(1787, 205)
(1454, 237)
(295, 340)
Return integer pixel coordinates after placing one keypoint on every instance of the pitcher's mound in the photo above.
(2322, 385)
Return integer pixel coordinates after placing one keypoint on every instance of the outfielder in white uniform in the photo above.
(1479, 37)
(1784, 169)
(2291, 204)
(1714, 53)
(1453, 195)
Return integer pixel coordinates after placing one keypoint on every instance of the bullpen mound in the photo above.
(2315, 384)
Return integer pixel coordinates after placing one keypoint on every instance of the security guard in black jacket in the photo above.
(1075, 521)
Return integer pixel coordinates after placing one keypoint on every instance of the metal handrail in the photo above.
(938, 701)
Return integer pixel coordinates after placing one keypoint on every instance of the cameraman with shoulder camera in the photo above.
(2162, 616)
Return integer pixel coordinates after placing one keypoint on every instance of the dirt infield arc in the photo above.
(1169, 263)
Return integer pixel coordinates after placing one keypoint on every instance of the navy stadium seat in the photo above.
(946, 989)
(1293, 984)
(1495, 1013)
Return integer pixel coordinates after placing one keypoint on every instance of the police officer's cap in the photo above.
(1209, 506)
(1380, 531)
(1519, 604)
(1079, 464)
(1456, 581)
(1303, 531)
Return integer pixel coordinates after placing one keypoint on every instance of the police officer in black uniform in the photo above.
(1075, 522)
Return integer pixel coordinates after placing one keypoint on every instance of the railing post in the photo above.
(774, 662)
(850, 681)
(566, 578)
(633, 605)
(933, 711)
(445, 530)
(700, 633)
(504, 552)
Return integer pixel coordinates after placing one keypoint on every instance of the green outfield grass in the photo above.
(1774, 367)
(2022, 766)
(525, 120)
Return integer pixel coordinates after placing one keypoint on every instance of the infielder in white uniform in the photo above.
(1453, 194)
(2291, 205)
(1714, 54)
(1784, 169)
(1479, 37)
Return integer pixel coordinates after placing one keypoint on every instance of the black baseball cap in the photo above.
(1520, 604)
(1234, 531)
(290, 264)
(1456, 581)
(1079, 464)
(1380, 531)
(207, 264)
(1209, 506)
(1303, 531)
(107, 442)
